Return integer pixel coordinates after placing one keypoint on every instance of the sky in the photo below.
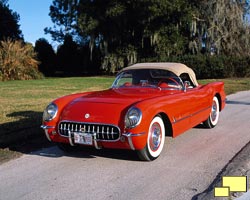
(34, 17)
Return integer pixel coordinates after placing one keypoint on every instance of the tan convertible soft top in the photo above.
(176, 68)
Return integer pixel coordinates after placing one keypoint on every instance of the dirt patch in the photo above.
(7, 154)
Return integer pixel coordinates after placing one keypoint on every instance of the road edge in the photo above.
(239, 165)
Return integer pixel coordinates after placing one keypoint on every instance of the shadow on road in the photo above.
(238, 103)
(23, 133)
(88, 153)
(25, 136)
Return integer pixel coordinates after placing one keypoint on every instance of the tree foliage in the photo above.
(46, 57)
(124, 32)
(129, 31)
(64, 15)
(67, 55)
(220, 26)
(9, 27)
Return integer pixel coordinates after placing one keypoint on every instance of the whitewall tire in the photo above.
(213, 118)
(155, 140)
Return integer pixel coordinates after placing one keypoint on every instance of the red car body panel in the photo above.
(181, 110)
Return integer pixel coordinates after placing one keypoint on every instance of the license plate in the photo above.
(83, 138)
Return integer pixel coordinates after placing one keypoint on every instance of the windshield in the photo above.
(156, 78)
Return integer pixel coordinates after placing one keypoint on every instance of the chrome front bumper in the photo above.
(129, 136)
(130, 141)
(45, 128)
(71, 138)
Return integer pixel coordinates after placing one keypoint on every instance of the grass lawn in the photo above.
(22, 104)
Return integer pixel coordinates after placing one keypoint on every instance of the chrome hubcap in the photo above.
(155, 139)
(214, 111)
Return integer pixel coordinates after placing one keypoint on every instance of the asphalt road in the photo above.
(187, 166)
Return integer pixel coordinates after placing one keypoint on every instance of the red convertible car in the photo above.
(146, 102)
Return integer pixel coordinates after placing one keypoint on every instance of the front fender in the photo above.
(50, 127)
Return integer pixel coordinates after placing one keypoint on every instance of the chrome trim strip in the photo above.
(70, 138)
(191, 115)
(47, 134)
(45, 128)
(95, 141)
(129, 136)
(134, 134)
(130, 142)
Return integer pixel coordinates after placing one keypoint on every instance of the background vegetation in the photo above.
(17, 61)
(112, 34)
(102, 36)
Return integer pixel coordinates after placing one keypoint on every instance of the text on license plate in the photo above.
(81, 138)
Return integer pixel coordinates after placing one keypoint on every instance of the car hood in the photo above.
(107, 106)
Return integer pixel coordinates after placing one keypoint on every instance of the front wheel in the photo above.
(155, 140)
(213, 118)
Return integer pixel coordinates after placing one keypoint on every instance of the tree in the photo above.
(64, 15)
(134, 30)
(46, 57)
(9, 27)
(220, 27)
(130, 30)
(124, 32)
(168, 29)
(67, 56)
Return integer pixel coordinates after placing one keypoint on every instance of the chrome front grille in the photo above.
(104, 132)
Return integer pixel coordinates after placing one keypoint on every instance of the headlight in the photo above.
(133, 117)
(50, 112)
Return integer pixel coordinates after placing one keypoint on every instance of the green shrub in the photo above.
(17, 61)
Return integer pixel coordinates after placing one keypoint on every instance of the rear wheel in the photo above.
(213, 118)
(155, 140)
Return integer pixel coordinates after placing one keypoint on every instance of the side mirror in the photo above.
(187, 84)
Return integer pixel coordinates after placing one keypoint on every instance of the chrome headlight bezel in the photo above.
(50, 112)
(133, 117)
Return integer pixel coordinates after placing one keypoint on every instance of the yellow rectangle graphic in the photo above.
(235, 183)
(221, 191)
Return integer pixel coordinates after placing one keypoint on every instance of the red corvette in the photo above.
(146, 102)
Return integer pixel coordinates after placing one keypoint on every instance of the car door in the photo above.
(199, 104)
(181, 111)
